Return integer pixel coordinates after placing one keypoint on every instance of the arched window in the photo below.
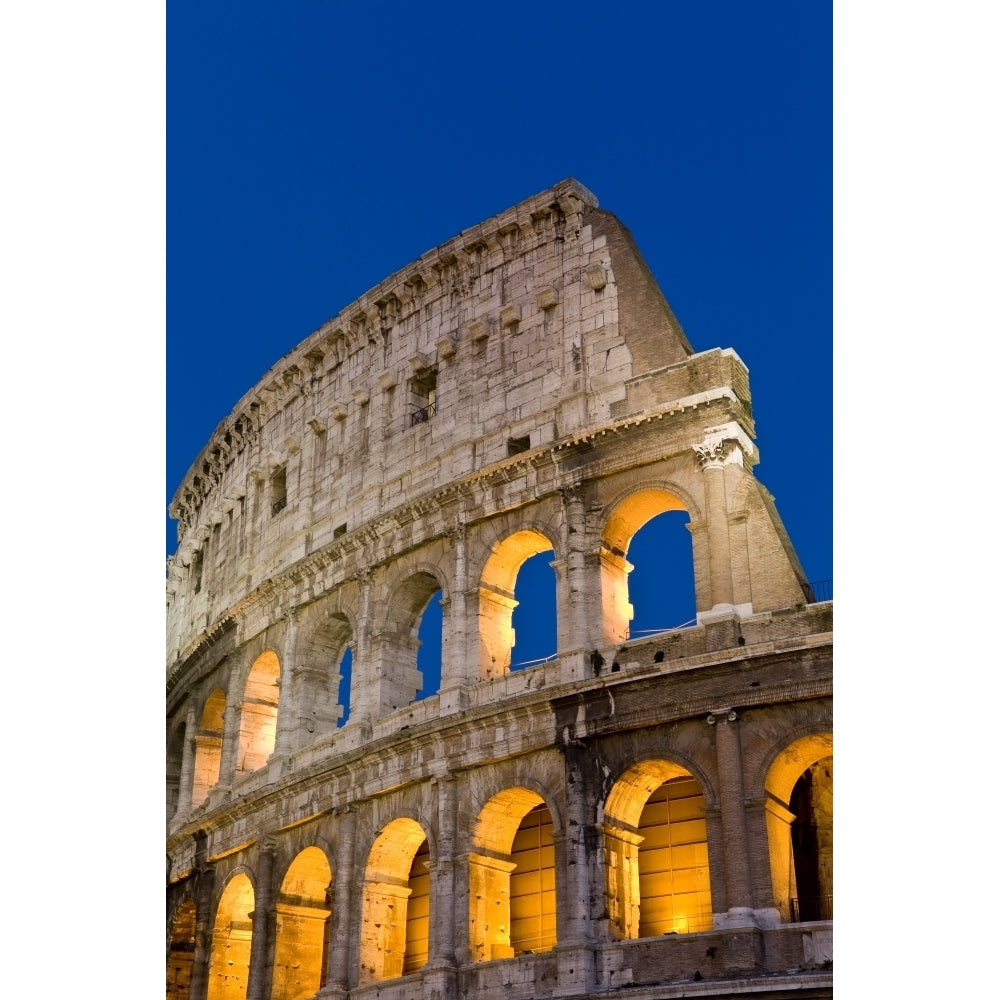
(397, 644)
(657, 853)
(497, 600)
(324, 676)
(661, 582)
(302, 927)
(666, 555)
(512, 889)
(799, 817)
(208, 746)
(259, 714)
(534, 616)
(391, 944)
(229, 968)
(181, 955)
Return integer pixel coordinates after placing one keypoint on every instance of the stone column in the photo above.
(344, 904)
(185, 786)
(574, 949)
(455, 658)
(230, 740)
(712, 457)
(442, 942)
(364, 690)
(288, 689)
(580, 607)
(742, 941)
(262, 943)
(204, 917)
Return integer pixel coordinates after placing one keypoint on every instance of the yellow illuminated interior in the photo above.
(657, 852)
(229, 968)
(302, 927)
(512, 898)
(418, 911)
(533, 884)
(208, 746)
(387, 890)
(800, 828)
(259, 716)
(674, 891)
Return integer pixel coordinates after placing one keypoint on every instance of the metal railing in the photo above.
(822, 590)
(424, 414)
(811, 908)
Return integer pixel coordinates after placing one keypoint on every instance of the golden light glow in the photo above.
(208, 746)
(229, 968)
(385, 898)
(512, 893)
(786, 770)
(496, 598)
(302, 927)
(657, 849)
(259, 715)
(626, 519)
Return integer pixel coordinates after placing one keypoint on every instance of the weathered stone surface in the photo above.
(523, 388)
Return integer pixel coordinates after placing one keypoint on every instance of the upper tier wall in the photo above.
(496, 352)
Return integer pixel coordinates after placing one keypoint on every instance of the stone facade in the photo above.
(650, 816)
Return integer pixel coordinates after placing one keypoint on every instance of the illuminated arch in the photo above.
(208, 746)
(259, 713)
(229, 968)
(656, 847)
(392, 944)
(512, 891)
(625, 519)
(497, 601)
(799, 804)
(302, 928)
(180, 955)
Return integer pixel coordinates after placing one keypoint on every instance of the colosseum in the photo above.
(639, 815)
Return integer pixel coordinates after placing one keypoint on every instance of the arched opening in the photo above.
(208, 746)
(799, 815)
(229, 968)
(512, 891)
(418, 911)
(656, 847)
(345, 667)
(667, 581)
(533, 619)
(180, 956)
(390, 945)
(812, 843)
(429, 637)
(497, 601)
(322, 696)
(302, 927)
(259, 714)
(661, 583)
(399, 642)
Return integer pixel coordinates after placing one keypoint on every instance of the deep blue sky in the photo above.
(314, 148)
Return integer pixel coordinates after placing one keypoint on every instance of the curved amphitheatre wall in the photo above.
(524, 387)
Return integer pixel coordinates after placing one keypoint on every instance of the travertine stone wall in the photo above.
(523, 388)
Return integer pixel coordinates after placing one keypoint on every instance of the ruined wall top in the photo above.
(523, 333)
